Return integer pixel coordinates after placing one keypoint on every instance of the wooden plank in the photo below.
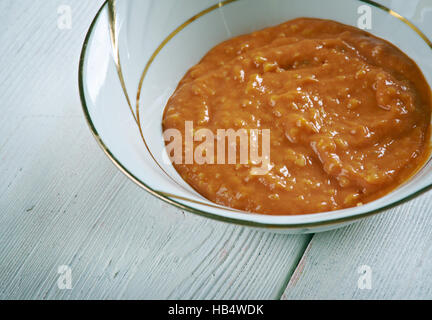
(67, 205)
(63, 203)
(397, 246)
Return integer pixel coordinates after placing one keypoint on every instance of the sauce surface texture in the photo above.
(349, 116)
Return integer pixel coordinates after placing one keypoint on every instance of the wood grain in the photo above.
(397, 246)
(63, 203)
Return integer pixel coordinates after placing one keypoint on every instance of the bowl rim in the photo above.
(237, 221)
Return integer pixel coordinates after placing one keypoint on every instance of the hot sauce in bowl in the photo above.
(348, 116)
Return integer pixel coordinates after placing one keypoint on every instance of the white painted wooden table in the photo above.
(63, 203)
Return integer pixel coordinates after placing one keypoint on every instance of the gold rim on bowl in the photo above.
(170, 198)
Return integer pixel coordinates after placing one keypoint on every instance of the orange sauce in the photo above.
(349, 115)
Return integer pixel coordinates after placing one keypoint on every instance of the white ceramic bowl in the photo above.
(164, 38)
